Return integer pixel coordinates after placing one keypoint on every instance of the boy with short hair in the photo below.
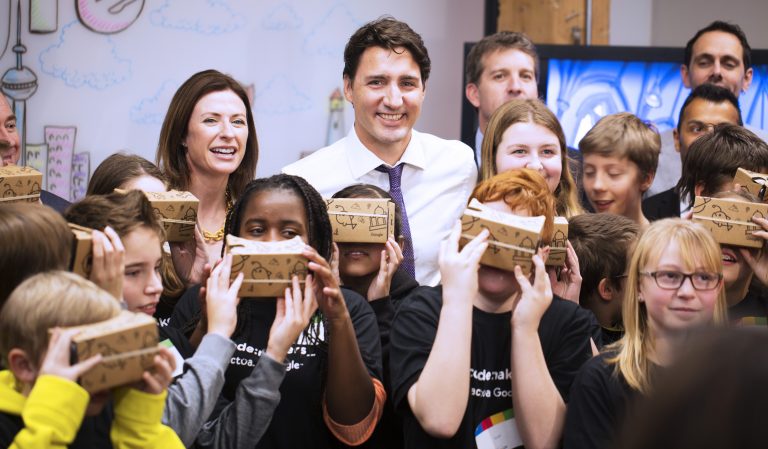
(41, 405)
(620, 154)
(602, 243)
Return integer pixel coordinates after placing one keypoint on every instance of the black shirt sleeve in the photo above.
(565, 335)
(187, 309)
(598, 399)
(413, 333)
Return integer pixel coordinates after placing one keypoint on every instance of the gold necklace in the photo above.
(211, 237)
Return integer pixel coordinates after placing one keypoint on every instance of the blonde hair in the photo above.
(521, 188)
(530, 111)
(48, 300)
(624, 135)
(697, 246)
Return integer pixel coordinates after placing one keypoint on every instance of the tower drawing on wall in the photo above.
(19, 83)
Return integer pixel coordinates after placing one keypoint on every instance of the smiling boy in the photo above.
(620, 157)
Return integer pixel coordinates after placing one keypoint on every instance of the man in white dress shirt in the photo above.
(386, 67)
(717, 54)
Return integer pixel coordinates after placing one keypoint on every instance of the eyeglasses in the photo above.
(672, 280)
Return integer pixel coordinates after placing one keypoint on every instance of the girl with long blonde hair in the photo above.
(674, 284)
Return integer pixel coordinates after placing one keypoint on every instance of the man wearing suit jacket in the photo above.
(707, 106)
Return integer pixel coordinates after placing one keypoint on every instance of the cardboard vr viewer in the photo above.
(267, 267)
(559, 244)
(82, 250)
(513, 239)
(753, 182)
(19, 184)
(361, 220)
(128, 344)
(177, 211)
(730, 221)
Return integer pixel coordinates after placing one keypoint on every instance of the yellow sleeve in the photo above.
(52, 414)
(138, 423)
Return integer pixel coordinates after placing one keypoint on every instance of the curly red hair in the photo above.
(521, 189)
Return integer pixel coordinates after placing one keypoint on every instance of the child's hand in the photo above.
(758, 259)
(458, 269)
(190, 258)
(335, 262)
(222, 299)
(108, 266)
(327, 290)
(534, 299)
(56, 360)
(157, 379)
(391, 257)
(292, 316)
(568, 284)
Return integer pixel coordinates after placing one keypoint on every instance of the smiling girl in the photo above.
(526, 134)
(674, 284)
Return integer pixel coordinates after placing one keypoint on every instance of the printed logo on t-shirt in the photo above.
(498, 431)
(305, 347)
(479, 378)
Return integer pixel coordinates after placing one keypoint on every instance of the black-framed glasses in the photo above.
(672, 280)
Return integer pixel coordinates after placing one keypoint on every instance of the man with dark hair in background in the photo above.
(717, 54)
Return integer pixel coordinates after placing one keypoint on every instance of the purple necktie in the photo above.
(395, 175)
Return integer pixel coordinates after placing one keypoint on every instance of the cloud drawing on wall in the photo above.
(329, 36)
(96, 65)
(198, 16)
(282, 18)
(152, 110)
(280, 96)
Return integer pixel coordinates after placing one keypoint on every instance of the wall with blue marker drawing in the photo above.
(105, 71)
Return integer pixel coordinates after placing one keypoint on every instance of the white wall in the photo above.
(670, 23)
(115, 88)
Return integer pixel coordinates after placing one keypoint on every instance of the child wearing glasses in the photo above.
(674, 285)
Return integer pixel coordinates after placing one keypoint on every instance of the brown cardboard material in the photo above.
(19, 184)
(82, 250)
(513, 240)
(557, 249)
(177, 211)
(268, 267)
(753, 182)
(128, 344)
(361, 220)
(730, 221)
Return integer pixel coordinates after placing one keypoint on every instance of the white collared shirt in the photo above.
(479, 148)
(437, 179)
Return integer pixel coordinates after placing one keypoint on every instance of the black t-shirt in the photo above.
(599, 402)
(298, 420)
(564, 332)
(752, 310)
(187, 311)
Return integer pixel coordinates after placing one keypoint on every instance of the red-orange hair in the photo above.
(521, 189)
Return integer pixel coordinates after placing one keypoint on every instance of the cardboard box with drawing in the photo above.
(19, 184)
(361, 220)
(177, 211)
(753, 182)
(128, 344)
(730, 221)
(82, 250)
(268, 267)
(513, 240)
